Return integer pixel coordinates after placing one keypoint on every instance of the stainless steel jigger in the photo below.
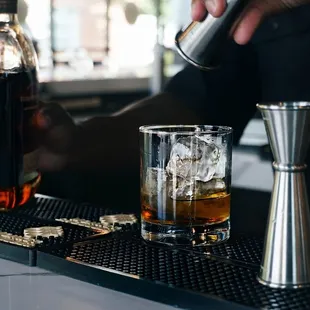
(286, 257)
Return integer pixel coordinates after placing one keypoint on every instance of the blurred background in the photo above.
(112, 46)
(97, 56)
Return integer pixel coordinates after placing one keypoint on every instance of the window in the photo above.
(34, 16)
(89, 37)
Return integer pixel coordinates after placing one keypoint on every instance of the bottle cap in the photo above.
(8, 6)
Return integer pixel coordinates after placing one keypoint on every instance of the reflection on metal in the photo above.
(106, 223)
(98, 227)
(202, 43)
(121, 219)
(44, 232)
(286, 258)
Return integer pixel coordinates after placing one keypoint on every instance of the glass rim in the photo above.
(160, 129)
(284, 105)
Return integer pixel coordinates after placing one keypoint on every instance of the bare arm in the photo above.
(103, 143)
(117, 139)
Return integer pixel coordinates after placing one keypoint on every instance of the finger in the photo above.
(248, 25)
(198, 10)
(215, 7)
(51, 115)
(57, 128)
(256, 12)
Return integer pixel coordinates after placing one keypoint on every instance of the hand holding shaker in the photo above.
(202, 43)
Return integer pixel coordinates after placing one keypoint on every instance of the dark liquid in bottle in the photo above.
(18, 105)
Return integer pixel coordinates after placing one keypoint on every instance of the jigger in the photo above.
(286, 256)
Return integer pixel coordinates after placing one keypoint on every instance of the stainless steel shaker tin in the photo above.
(202, 43)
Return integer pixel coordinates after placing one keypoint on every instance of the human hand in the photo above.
(63, 145)
(55, 134)
(104, 144)
(253, 15)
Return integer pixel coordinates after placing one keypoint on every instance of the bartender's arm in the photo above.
(191, 97)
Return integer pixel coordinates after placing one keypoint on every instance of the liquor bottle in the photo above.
(19, 103)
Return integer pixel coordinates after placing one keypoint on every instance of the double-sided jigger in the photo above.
(286, 256)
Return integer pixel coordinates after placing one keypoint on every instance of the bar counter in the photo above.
(122, 270)
(94, 270)
(29, 288)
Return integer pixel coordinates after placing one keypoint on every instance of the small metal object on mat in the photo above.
(44, 232)
(18, 240)
(100, 227)
(120, 219)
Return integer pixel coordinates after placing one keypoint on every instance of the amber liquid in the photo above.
(18, 107)
(19, 195)
(208, 210)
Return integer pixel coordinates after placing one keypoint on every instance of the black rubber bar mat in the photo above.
(219, 277)
(51, 208)
(240, 247)
(43, 211)
(134, 285)
(102, 262)
(14, 223)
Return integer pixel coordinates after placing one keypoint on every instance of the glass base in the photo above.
(186, 236)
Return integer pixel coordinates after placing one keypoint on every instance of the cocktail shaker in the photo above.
(202, 43)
